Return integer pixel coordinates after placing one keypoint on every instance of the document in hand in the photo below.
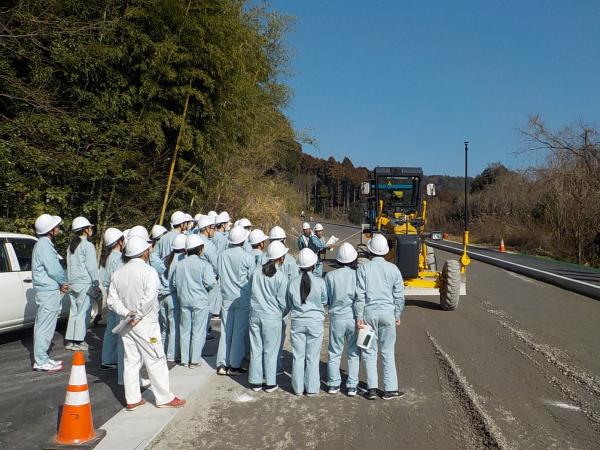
(332, 241)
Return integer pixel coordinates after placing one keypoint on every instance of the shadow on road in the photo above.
(423, 304)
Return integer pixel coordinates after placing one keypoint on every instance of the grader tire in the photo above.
(450, 290)
(431, 261)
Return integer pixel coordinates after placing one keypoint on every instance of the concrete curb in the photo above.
(570, 284)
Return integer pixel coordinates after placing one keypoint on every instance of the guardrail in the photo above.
(570, 284)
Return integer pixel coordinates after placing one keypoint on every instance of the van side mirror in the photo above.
(431, 190)
(365, 188)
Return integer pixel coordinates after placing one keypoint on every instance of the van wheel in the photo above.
(450, 288)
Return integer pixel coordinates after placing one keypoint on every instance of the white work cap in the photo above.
(318, 227)
(46, 223)
(237, 235)
(306, 226)
(79, 223)
(277, 233)
(157, 231)
(193, 241)
(139, 231)
(378, 245)
(177, 218)
(205, 221)
(307, 258)
(346, 253)
(179, 242)
(136, 246)
(276, 250)
(111, 236)
(257, 236)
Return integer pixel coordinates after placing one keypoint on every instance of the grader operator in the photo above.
(395, 208)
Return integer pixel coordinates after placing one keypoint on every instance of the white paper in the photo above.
(332, 241)
(365, 333)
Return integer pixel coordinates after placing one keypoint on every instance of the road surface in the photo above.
(516, 366)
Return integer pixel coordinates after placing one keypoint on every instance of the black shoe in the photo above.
(221, 370)
(235, 371)
(388, 395)
(351, 392)
(108, 367)
(256, 387)
(371, 394)
(272, 388)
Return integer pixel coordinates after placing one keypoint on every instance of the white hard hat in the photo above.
(197, 217)
(139, 231)
(237, 235)
(276, 250)
(177, 218)
(236, 223)
(111, 236)
(205, 221)
(46, 223)
(179, 242)
(222, 218)
(126, 234)
(136, 246)
(306, 226)
(188, 217)
(307, 258)
(257, 236)
(157, 231)
(79, 223)
(318, 227)
(193, 241)
(346, 253)
(244, 223)
(378, 245)
(212, 214)
(277, 233)
(226, 214)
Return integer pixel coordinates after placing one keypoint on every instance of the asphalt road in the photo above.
(516, 366)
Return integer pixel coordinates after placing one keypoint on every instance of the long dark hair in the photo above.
(353, 265)
(194, 251)
(75, 241)
(305, 284)
(171, 257)
(108, 250)
(270, 268)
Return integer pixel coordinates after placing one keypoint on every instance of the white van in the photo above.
(17, 299)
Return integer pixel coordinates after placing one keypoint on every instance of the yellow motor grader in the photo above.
(394, 207)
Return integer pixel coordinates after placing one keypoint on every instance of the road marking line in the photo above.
(562, 405)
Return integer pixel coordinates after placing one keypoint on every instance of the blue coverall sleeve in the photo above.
(317, 243)
(282, 296)
(209, 280)
(323, 294)
(361, 293)
(53, 267)
(398, 293)
(90, 263)
(329, 288)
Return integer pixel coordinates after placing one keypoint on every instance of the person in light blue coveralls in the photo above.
(222, 221)
(84, 286)
(304, 238)
(49, 286)
(317, 244)
(306, 297)
(257, 240)
(169, 304)
(193, 279)
(111, 260)
(206, 228)
(341, 295)
(268, 304)
(379, 304)
(290, 268)
(247, 225)
(164, 246)
(236, 266)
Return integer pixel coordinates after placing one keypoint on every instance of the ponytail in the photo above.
(305, 285)
(75, 241)
(107, 251)
(171, 257)
(353, 265)
(269, 268)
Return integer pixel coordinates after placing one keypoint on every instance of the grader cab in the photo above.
(394, 206)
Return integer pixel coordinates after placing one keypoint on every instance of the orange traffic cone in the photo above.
(502, 247)
(76, 423)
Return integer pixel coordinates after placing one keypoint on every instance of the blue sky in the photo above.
(404, 83)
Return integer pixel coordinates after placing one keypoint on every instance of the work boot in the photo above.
(371, 394)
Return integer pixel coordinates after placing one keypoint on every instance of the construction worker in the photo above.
(133, 295)
(206, 229)
(169, 303)
(304, 238)
(267, 308)
(111, 261)
(341, 295)
(247, 225)
(317, 244)
(290, 268)
(178, 224)
(379, 304)
(156, 233)
(257, 240)
(220, 237)
(193, 279)
(49, 286)
(84, 286)
(235, 269)
(306, 297)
